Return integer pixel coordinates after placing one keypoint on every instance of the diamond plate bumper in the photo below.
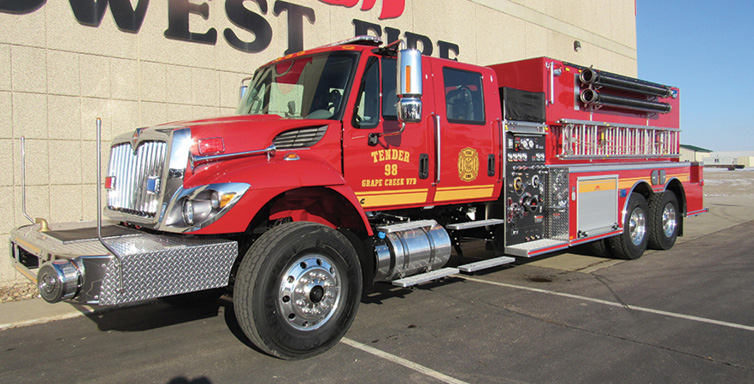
(153, 265)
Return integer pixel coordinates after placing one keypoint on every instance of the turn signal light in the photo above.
(110, 182)
(211, 146)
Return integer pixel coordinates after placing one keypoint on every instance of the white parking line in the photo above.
(399, 360)
(614, 304)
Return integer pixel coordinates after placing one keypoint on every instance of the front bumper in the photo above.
(69, 263)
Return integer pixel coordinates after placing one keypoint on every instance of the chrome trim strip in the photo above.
(438, 149)
(697, 213)
(627, 167)
(197, 160)
(592, 157)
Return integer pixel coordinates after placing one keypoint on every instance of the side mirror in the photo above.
(409, 87)
(244, 87)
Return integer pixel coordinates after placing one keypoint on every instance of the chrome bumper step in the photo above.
(153, 265)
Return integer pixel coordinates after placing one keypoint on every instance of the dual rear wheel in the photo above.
(653, 224)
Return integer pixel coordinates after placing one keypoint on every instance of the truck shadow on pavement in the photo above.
(155, 314)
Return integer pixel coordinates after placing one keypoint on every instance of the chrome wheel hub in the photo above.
(637, 226)
(309, 292)
(669, 221)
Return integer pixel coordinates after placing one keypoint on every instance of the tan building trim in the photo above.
(535, 16)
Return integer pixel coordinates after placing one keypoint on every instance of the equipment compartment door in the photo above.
(597, 205)
(465, 126)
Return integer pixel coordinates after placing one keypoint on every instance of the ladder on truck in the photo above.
(581, 139)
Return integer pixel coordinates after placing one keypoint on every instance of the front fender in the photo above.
(269, 179)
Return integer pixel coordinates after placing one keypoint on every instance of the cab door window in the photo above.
(389, 98)
(464, 101)
(367, 111)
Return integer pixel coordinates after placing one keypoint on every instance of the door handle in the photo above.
(423, 166)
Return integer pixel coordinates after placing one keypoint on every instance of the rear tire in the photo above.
(297, 290)
(632, 243)
(601, 248)
(663, 220)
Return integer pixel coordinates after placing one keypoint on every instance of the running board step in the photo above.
(474, 224)
(425, 277)
(535, 248)
(484, 264)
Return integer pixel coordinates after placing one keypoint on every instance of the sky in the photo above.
(705, 48)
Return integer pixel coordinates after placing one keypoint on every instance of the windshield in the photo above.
(308, 87)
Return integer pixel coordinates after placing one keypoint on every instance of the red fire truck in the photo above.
(360, 163)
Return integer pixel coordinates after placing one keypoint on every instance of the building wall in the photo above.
(60, 68)
(692, 155)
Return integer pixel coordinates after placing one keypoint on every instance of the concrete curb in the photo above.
(37, 311)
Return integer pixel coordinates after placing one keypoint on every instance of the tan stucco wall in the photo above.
(57, 75)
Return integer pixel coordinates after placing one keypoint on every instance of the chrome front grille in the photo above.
(132, 173)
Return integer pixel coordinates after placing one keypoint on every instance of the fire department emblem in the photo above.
(468, 164)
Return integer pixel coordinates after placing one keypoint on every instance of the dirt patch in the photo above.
(18, 291)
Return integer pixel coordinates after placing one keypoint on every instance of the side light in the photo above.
(226, 198)
(211, 146)
(110, 182)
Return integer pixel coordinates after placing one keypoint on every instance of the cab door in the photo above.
(395, 172)
(466, 126)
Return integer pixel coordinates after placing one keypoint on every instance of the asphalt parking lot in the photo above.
(684, 315)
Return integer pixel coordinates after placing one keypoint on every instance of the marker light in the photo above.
(110, 182)
(226, 198)
(211, 146)
(408, 79)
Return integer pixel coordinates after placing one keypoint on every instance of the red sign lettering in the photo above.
(391, 9)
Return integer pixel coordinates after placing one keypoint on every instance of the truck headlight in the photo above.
(188, 212)
(196, 211)
(198, 207)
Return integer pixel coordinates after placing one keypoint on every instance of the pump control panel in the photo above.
(525, 187)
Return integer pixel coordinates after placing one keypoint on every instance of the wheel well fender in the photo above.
(641, 187)
(324, 205)
(674, 185)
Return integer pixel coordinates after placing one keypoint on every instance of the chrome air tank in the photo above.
(409, 248)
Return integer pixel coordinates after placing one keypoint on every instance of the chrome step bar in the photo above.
(448, 271)
(535, 248)
(474, 224)
(485, 264)
(424, 277)
(406, 226)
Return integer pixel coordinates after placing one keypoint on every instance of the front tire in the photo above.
(297, 290)
(632, 243)
(664, 219)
